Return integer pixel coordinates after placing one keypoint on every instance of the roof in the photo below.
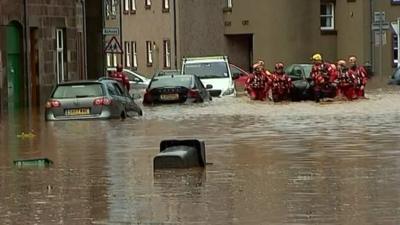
(206, 58)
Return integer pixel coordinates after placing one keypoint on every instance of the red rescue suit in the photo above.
(346, 84)
(257, 85)
(324, 77)
(361, 77)
(122, 78)
(281, 86)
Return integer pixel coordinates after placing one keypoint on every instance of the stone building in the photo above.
(42, 42)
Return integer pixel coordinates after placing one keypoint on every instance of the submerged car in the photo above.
(103, 99)
(213, 71)
(302, 85)
(176, 89)
(395, 79)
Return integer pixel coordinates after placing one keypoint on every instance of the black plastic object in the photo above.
(34, 162)
(180, 154)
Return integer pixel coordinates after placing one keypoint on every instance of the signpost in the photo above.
(379, 26)
(111, 31)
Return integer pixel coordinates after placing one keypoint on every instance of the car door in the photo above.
(240, 75)
(205, 95)
(118, 100)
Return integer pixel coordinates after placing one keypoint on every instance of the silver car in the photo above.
(101, 99)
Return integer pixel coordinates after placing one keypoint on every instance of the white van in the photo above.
(212, 71)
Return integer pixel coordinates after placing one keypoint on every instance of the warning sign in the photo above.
(113, 46)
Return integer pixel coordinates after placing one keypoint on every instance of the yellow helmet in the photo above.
(317, 57)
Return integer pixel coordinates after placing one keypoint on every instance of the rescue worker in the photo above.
(346, 81)
(121, 77)
(281, 84)
(257, 85)
(323, 76)
(361, 76)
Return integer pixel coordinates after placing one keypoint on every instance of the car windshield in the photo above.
(207, 70)
(396, 74)
(78, 91)
(171, 82)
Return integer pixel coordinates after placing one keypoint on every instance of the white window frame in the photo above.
(126, 5)
(60, 55)
(147, 3)
(133, 5)
(328, 15)
(134, 54)
(166, 4)
(113, 8)
(109, 56)
(115, 60)
(229, 4)
(149, 53)
(167, 54)
(128, 54)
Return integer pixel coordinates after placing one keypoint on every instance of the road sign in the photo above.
(385, 26)
(379, 17)
(112, 31)
(113, 46)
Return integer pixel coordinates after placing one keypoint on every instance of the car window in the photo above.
(118, 89)
(207, 70)
(235, 70)
(133, 78)
(184, 81)
(111, 89)
(78, 91)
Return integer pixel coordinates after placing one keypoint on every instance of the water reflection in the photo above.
(298, 163)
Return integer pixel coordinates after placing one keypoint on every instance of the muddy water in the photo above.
(297, 163)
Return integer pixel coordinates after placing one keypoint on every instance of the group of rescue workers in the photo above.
(327, 80)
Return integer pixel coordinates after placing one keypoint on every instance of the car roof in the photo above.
(206, 59)
(67, 83)
(169, 76)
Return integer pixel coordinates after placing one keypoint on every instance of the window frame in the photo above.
(134, 55)
(128, 55)
(127, 6)
(328, 16)
(147, 4)
(165, 6)
(60, 59)
(167, 53)
(149, 53)
(133, 6)
(229, 4)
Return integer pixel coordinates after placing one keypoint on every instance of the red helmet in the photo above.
(279, 66)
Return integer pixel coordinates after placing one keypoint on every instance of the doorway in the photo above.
(14, 64)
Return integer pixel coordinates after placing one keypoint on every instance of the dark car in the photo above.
(300, 76)
(176, 89)
(395, 79)
(102, 99)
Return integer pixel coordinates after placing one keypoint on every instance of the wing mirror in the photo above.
(209, 86)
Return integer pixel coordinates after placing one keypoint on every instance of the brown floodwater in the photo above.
(286, 163)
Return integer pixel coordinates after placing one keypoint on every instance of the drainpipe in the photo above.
(84, 39)
(175, 36)
(26, 57)
(372, 44)
(120, 31)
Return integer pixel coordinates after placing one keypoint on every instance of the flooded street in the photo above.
(288, 163)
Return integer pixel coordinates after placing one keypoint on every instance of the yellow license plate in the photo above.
(170, 97)
(77, 112)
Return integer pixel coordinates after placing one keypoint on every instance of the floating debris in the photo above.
(36, 162)
(24, 135)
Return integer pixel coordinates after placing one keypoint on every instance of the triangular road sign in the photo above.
(113, 46)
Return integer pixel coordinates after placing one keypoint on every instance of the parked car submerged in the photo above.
(176, 89)
(213, 71)
(300, 76)
(103, 99)
(395, 79)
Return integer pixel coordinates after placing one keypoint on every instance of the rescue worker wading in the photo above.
(119, 76)
(346, 81)
(281, 84)
(360, 74)
(323, 76)
(257, 85)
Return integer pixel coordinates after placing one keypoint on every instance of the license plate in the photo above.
(170, 97)
(77, 112)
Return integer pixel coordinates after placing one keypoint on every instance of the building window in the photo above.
(115, 60)
(147, 4)
(134, 54)
(60, 67)
(126, 6)
(327, 16)
(111, 9)
(128, 54)
(109, 58)
(165, 5)
(149, 53)
(395, 51)
(229, 4)
(112, 60)
(167, 54)
(133, 6)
